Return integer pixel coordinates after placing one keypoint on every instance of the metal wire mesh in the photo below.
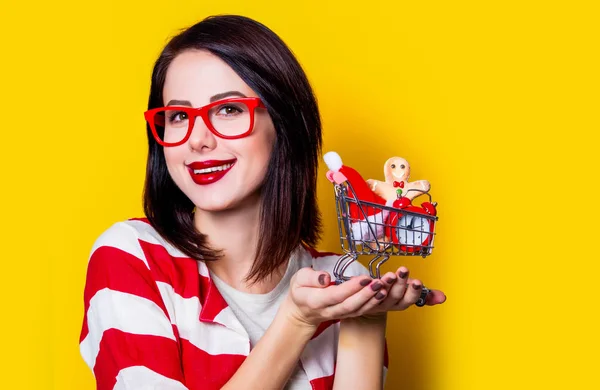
(379, 231)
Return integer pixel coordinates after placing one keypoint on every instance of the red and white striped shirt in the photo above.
(154, 318)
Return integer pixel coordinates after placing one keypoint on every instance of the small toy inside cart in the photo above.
(379, 224)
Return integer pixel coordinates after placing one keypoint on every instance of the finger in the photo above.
(319, 298)
(308, 277)
(403, 273)
(334, 295)
(389, 279)
(397, 290)
(348, 307)
(373, 305)
(435, 297)
(413, 291)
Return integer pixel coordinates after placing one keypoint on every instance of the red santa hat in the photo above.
(364, 194)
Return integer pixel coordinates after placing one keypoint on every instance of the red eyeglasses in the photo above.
(228, 118)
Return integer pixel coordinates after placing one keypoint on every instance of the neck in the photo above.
(236, 233)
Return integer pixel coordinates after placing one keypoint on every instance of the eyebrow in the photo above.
(213, 98)
(223, 95)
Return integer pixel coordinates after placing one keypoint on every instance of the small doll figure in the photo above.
(396, 171)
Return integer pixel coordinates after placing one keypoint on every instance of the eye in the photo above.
(177, 116)
(393, 166)
(402, 166)
(229, 110)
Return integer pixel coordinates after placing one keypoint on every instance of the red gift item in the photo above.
(364, 194)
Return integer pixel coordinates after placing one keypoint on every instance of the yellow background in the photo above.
(495, 103)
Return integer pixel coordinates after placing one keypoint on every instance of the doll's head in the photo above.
(261, 149)
(396, 169)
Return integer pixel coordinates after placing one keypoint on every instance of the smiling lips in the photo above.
(208, 172)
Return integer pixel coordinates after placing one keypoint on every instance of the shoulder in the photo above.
(123, 300)
(116, 252)
(132, 248)
(325, 261)
(130, 236)
(130, 263)
(128, 233)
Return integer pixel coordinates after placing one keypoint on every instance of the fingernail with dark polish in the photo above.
(376, 287)
(379, 295)
(322, 279)
(403, 274)
(365, 282)
(417, 286)
(390, 280)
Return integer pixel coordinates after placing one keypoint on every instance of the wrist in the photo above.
(377, 318)
(290, 315)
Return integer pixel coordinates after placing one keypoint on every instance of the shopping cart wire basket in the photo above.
(380, 231)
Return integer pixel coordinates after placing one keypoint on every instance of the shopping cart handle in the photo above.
(336, 177)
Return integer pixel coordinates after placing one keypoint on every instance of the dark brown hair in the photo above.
(289, 212)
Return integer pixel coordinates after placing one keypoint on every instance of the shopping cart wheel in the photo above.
(423, 297)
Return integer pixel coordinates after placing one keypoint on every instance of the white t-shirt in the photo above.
(256, 312)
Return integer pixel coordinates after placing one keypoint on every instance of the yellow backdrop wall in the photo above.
(495, 103)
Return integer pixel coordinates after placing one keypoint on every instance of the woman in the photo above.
(219, 286)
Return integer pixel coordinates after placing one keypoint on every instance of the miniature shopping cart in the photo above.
(381, 231)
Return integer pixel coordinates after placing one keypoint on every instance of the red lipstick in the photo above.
(202, 172)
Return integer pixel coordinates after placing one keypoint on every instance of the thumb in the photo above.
(308, 277)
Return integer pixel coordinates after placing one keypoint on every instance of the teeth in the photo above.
(212, 169)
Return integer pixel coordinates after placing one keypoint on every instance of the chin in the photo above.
(215, 205)
(218, 203)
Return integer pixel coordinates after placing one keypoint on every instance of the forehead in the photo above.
(196, 75)
(398, 162)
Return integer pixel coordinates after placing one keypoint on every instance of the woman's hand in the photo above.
(402, 292)
(312, 298)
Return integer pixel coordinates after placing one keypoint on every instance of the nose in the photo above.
(201, 137)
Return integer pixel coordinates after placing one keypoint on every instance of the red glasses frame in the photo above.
(251, 102)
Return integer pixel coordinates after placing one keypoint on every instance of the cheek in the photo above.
(266, 151)
(261, 145)
(258, 156)
(173, 159)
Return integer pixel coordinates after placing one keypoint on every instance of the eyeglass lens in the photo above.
(228, 119)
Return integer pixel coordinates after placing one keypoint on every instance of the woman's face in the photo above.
(197, 77)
